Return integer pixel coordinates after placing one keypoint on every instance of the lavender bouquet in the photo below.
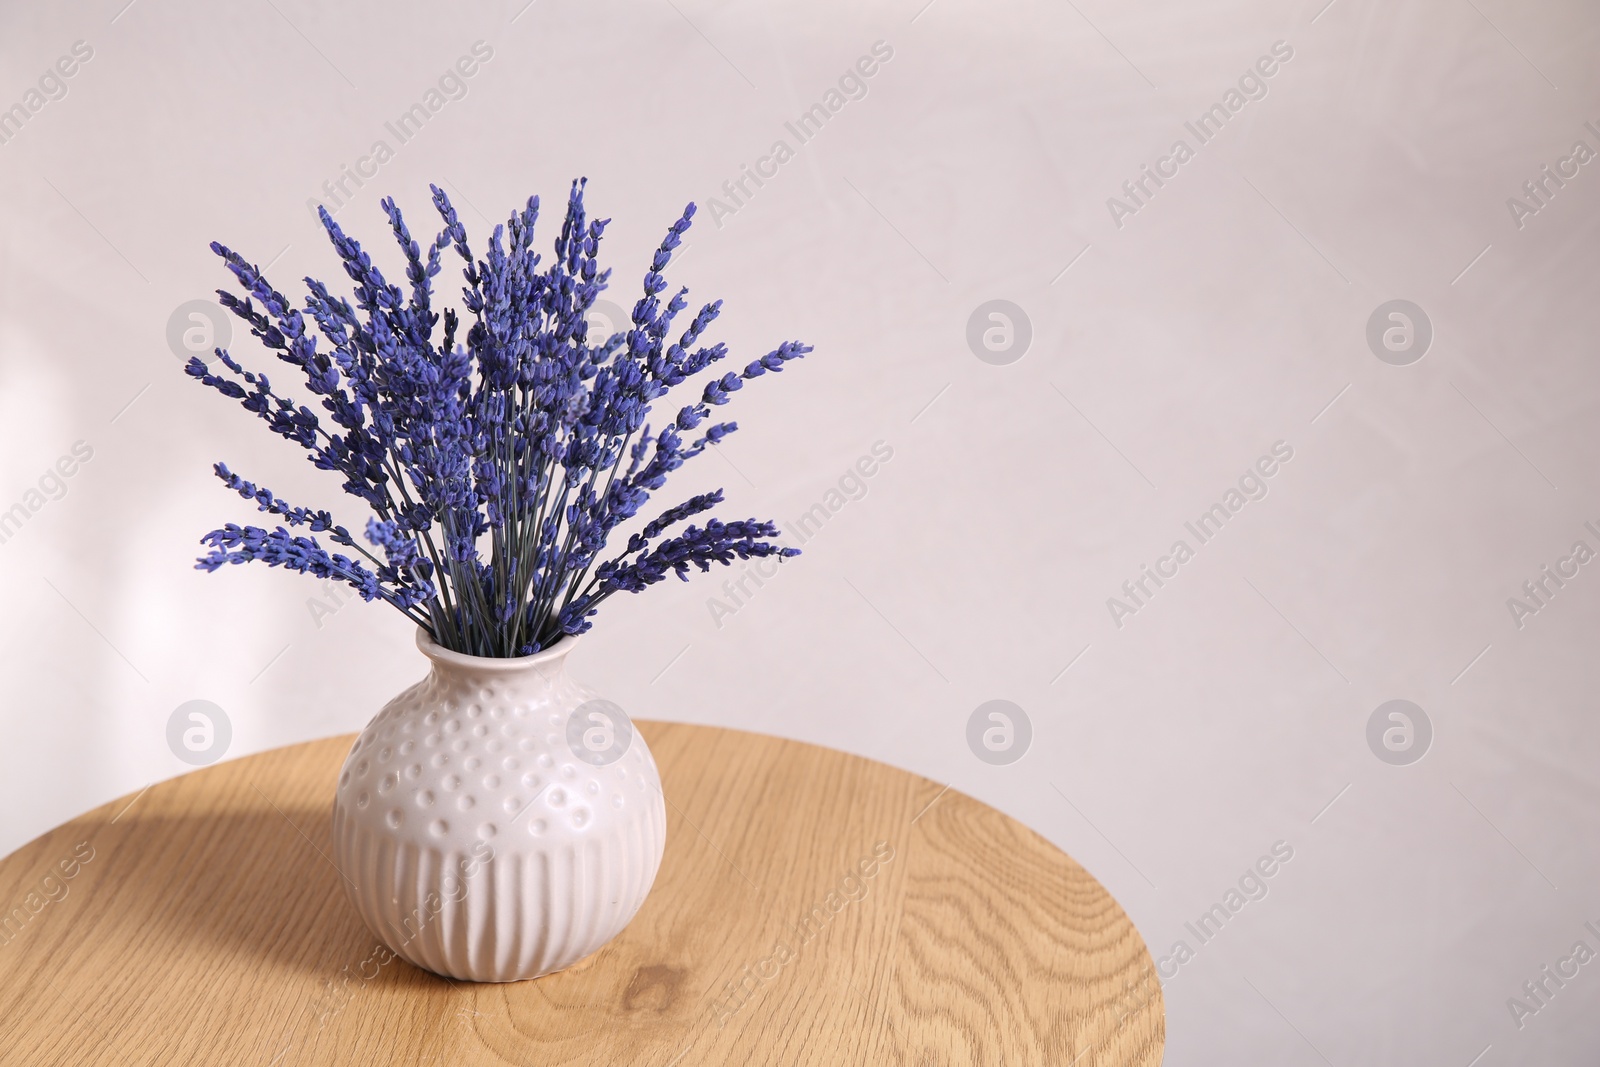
(498, 459)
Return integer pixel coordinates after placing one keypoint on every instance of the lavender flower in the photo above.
(500, 449)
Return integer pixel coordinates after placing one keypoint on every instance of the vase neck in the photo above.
(548, 665)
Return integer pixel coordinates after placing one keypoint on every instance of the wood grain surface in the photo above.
(812, 908)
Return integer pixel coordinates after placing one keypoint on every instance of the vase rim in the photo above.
(439, 654)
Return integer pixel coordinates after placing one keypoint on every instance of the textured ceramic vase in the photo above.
(497, 821)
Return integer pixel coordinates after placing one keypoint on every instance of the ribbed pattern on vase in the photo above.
(513, 916)
(478, 839)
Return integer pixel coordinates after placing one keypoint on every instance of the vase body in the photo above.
(497, 821)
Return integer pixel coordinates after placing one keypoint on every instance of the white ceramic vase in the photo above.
(497, 821)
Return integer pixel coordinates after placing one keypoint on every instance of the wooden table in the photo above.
(201, 922)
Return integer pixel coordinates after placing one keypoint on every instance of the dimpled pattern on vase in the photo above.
(474, 842)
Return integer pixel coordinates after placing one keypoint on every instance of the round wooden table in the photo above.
(201, 922)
